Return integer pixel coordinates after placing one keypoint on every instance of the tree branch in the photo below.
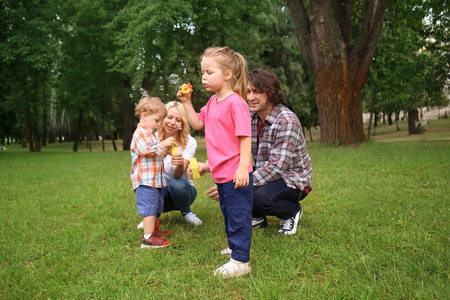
(341, 10)
(302, 27)
(368, 40)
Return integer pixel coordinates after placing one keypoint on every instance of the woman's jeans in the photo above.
(179, 195)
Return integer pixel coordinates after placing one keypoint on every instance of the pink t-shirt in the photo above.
(224, 122)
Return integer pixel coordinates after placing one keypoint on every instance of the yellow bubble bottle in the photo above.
(194, 168)
(174, 149)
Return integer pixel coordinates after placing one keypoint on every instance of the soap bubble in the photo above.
(161, 87)
(173, 78)
(143, 92)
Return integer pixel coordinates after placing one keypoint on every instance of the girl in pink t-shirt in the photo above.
(227, 123)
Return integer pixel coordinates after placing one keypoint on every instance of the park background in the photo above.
(375, 225)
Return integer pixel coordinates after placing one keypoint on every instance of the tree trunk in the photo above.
(103, 136)
(127, 106)
(339, 68)
(44, 119)
(413, 121)
(23, 138)
(29, 123)
(78, 132)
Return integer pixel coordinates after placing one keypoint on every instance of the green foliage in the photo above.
(407, 71)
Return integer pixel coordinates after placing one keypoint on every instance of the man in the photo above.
(282, 172)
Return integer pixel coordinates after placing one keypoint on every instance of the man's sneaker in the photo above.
(233, 268)
(154, 242)
(157, 231)
(259, 222)
(289, 226)
(192, 218)
(226, 251)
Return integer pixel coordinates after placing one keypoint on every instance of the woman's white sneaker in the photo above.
(192, 218)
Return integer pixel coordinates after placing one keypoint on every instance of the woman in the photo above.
(180, 192)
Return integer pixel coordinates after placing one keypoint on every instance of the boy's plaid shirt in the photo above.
(147, 167)
(282, 150)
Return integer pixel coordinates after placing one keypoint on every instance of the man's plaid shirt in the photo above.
(282, 150)
(146, 161)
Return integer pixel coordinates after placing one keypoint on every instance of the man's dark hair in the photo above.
(266, 81)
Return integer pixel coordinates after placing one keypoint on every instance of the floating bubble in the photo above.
(161, 87)
(142, 91)
(173, 78)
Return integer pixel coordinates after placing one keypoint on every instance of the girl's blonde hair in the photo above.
(150, 105)
(228, 59)
(184, 132)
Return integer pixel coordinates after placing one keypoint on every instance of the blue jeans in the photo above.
(276, 199)
(236, 206)
(179, 195)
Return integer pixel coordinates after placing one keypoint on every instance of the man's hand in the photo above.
(203, 168)
(213, 193)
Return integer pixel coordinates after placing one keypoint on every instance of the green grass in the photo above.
(375, 226)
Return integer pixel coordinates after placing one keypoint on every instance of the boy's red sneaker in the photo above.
(158, 232)
(154, 242)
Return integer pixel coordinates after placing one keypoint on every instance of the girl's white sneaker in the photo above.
(233, 268)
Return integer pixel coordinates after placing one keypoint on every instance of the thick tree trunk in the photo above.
(338, 106)
(339, 67)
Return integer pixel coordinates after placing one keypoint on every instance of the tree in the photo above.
(27, 54)
(409, 67)
(339, 62)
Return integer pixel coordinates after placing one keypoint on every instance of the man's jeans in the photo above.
(276, 199)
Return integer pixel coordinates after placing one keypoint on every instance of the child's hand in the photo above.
(184, 97)
(177, 159)
(241, 178)
(167, 142)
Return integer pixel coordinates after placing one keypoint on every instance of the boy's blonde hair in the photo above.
(150, 105)
(185, 131)
(228, 59)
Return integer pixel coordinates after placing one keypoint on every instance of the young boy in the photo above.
(147, 169)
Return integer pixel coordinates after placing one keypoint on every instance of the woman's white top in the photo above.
(187, 153)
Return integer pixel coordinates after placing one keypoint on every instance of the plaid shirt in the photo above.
(147, 166)
(282, 150)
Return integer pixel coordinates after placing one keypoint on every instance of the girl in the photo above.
(227, 123)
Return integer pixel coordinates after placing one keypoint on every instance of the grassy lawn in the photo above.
(376, 225)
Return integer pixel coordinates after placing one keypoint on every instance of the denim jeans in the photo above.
(179, 195)
(276, 199)
(236, 206)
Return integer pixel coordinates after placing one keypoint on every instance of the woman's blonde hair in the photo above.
(150, 105)
(228, 59)
(185, 129)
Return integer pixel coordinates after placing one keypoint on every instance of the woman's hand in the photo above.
(177, 159)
